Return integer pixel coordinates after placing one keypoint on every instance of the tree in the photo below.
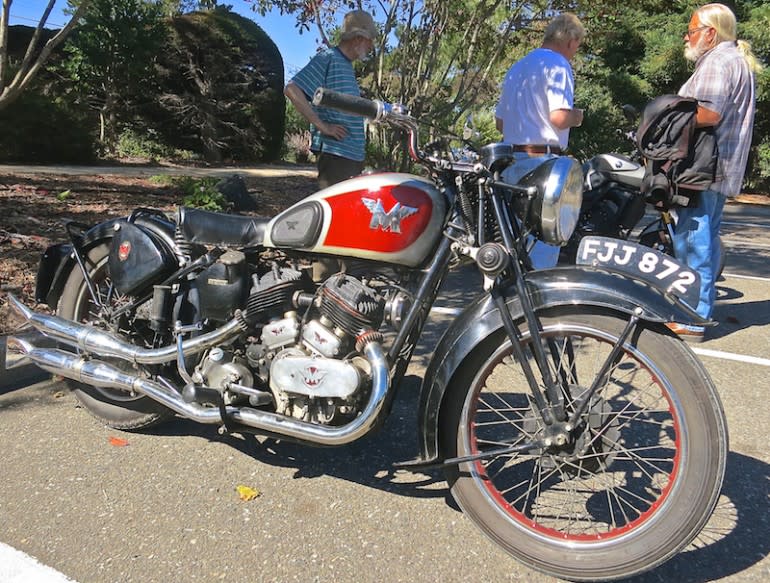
(176, 7)
(439, 58)
(220, 88)
(443, 59)
(35, 57)
(112, 56)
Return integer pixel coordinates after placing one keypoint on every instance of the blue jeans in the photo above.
(696, 243)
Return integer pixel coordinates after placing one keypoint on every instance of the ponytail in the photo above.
(722, 20)
(745, 48)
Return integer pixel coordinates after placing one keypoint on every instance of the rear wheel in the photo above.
(113, 407)
(639, 475)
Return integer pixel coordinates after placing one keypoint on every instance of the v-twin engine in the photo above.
(323, 380)
(314, 369)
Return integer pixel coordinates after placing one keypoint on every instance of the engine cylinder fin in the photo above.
(274, 291)
(351, 305)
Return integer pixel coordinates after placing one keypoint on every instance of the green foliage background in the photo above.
(212, 88)
(142, 78)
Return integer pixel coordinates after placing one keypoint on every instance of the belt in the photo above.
(537, 149)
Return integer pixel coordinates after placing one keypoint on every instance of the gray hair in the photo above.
(563, 28)
(722, 20)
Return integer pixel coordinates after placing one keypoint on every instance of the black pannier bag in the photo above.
(680, 159)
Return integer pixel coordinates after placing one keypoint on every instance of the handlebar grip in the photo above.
(347, 103)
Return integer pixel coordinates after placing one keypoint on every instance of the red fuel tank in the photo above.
(390, 217)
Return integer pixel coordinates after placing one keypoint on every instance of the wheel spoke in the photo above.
(620, 459)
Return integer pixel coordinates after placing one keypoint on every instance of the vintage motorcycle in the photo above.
(614, 206)
(575, 430)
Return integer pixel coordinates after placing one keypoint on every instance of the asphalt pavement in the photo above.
(163, 505)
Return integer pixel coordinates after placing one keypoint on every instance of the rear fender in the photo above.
(549, 288)
(58, 261)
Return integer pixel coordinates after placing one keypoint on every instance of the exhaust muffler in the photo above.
(98, 373)
(95, 341)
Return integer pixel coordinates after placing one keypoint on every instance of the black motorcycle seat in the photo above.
(221, 230)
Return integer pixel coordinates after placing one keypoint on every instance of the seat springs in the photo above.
(183, 246)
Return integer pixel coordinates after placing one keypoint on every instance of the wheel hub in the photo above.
(593, 443)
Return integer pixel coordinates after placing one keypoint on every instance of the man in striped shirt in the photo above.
(338, 138)
(724, 85)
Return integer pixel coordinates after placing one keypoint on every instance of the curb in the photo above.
(22, 376)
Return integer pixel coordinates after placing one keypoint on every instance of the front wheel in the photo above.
(642, 469)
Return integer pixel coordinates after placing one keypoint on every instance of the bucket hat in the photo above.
(358, 23)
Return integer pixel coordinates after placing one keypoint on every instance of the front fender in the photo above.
(549, 288)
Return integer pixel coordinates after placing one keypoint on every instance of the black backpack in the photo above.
(680, 159)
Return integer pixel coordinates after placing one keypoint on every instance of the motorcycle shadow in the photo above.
(738, 316)
(736, 537)
(368, 461)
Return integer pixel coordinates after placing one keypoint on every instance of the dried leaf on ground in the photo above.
(118, 441)
(245, 493)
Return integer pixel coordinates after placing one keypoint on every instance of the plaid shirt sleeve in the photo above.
(707, 85)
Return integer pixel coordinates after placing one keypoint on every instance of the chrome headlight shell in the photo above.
(555, 210)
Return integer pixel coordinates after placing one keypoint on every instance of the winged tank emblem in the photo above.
(387, 221)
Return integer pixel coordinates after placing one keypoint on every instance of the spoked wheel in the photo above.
(639, 474)
(113, 407)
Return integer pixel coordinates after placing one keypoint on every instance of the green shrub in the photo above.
(298, 147)
(38, 129)
(148, 145)
(200, 193)
(220, 89)
(758, 171)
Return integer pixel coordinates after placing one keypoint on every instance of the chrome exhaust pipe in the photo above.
(95, 341)
(101, 374)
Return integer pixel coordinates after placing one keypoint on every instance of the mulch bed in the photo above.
(34, 208)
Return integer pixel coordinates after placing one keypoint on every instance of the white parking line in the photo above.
(731, 356)
(744, 245)
(446, 311)
(753, 225)
(18, 567)
(751, 277)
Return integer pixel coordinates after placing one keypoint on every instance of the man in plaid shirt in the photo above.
(724, 85)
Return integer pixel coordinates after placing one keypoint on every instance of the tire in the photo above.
(113, 407)
(640, 476)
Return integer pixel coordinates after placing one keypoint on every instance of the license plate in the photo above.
(640, 262)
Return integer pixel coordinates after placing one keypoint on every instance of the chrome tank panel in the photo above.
(389, 217)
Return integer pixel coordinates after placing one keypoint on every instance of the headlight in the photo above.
(555, 210)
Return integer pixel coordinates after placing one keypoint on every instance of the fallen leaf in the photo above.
(245, 493)
(118, 441)
(733, 320)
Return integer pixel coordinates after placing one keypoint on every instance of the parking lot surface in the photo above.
(164, 506)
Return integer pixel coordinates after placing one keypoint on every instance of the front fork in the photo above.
(558, 422)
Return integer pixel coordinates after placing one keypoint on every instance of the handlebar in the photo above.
(377, 111)
(398, 116)
(369, 108)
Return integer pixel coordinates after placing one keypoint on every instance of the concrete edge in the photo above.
(22, 376)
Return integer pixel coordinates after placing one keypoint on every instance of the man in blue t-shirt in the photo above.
(338, 138)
